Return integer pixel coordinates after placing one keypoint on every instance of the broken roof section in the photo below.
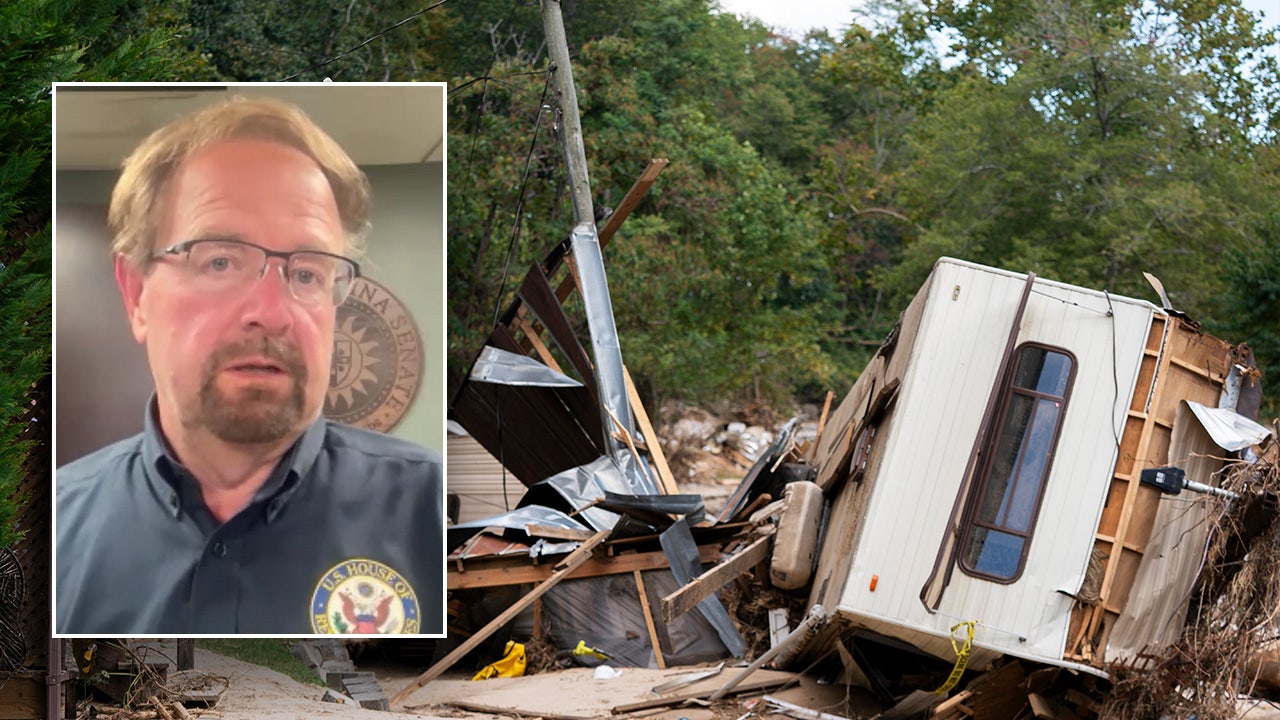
(536, 420)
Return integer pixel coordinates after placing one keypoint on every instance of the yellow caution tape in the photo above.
(962, 656)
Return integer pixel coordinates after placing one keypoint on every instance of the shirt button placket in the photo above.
(216, 588)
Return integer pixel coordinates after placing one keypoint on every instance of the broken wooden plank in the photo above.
(557, 533)
(667, 481)
(518, 571)
(1041, 707)
(629, 202)
(563, 568)
(822, 424)
(504, 711)
(946, 706)
(688, 597)
(648, 621)
(754, 686)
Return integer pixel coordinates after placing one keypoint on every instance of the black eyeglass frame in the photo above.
(186, 245)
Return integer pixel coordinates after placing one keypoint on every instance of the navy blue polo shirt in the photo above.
(345, 536)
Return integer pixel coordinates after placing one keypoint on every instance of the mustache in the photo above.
(282, 352)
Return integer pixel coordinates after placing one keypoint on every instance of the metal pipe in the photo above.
(816, 618)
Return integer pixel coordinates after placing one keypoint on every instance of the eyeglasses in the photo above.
(219, 266)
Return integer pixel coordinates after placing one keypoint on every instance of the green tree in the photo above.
(1092, 141)
(1249, 311)
(44, 41)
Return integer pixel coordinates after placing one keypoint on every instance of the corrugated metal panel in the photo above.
(951, 373)
(475, 477)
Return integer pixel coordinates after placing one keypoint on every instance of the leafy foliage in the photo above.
(44, 41)
(813, 181)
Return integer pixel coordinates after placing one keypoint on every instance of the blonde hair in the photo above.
(132, 213)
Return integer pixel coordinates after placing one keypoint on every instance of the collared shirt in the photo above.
(345, 536)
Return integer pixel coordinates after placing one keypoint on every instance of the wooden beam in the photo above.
(557, 533)
(638, 190)
(822, 424)
(531, 335)
(525, 573)
(562, 570)
(503, 711)
(650, 437)
(746, 687)
(701, 587)
(629, 202)
(648, 621)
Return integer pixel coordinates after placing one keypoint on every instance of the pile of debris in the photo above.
(140, 682)
(994, 515)
(1229, 648)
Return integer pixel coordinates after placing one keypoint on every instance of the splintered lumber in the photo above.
(755, 686)
(648, 621)
(1041, 707)
(508, 712)
(563, 568)
(666, 480)
(697, 590)
(944, 708)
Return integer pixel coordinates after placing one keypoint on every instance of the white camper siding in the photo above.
(949, 379)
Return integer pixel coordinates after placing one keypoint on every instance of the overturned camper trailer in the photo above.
(987, 467)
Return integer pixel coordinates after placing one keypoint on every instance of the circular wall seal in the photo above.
(364, 597)
(377, 359)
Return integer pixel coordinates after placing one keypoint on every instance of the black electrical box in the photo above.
(1170, 480)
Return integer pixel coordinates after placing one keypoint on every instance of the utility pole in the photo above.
(615, 408)
(568, 124)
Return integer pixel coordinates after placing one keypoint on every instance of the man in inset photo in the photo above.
(235, 237)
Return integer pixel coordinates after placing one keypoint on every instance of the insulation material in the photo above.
(606, 614)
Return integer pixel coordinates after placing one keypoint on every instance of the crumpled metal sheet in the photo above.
(605, 350)
(579, 487)
(517, 519)
(1229, 429)
(507, 368)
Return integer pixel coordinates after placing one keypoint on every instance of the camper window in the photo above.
(1005, 501)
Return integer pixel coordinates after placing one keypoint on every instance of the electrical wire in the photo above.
(524, 183)
(366, 41)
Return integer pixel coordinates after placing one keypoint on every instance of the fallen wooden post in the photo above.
(648, 621)
(765, 685)
(697, 590)
(563, 568)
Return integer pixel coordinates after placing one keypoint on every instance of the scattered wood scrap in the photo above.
(562, 569)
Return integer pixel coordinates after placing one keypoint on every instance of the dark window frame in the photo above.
(979, 488)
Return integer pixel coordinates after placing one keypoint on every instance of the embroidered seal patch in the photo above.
(364, 597)
(377, 359)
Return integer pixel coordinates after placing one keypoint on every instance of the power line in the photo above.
(366, 41)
